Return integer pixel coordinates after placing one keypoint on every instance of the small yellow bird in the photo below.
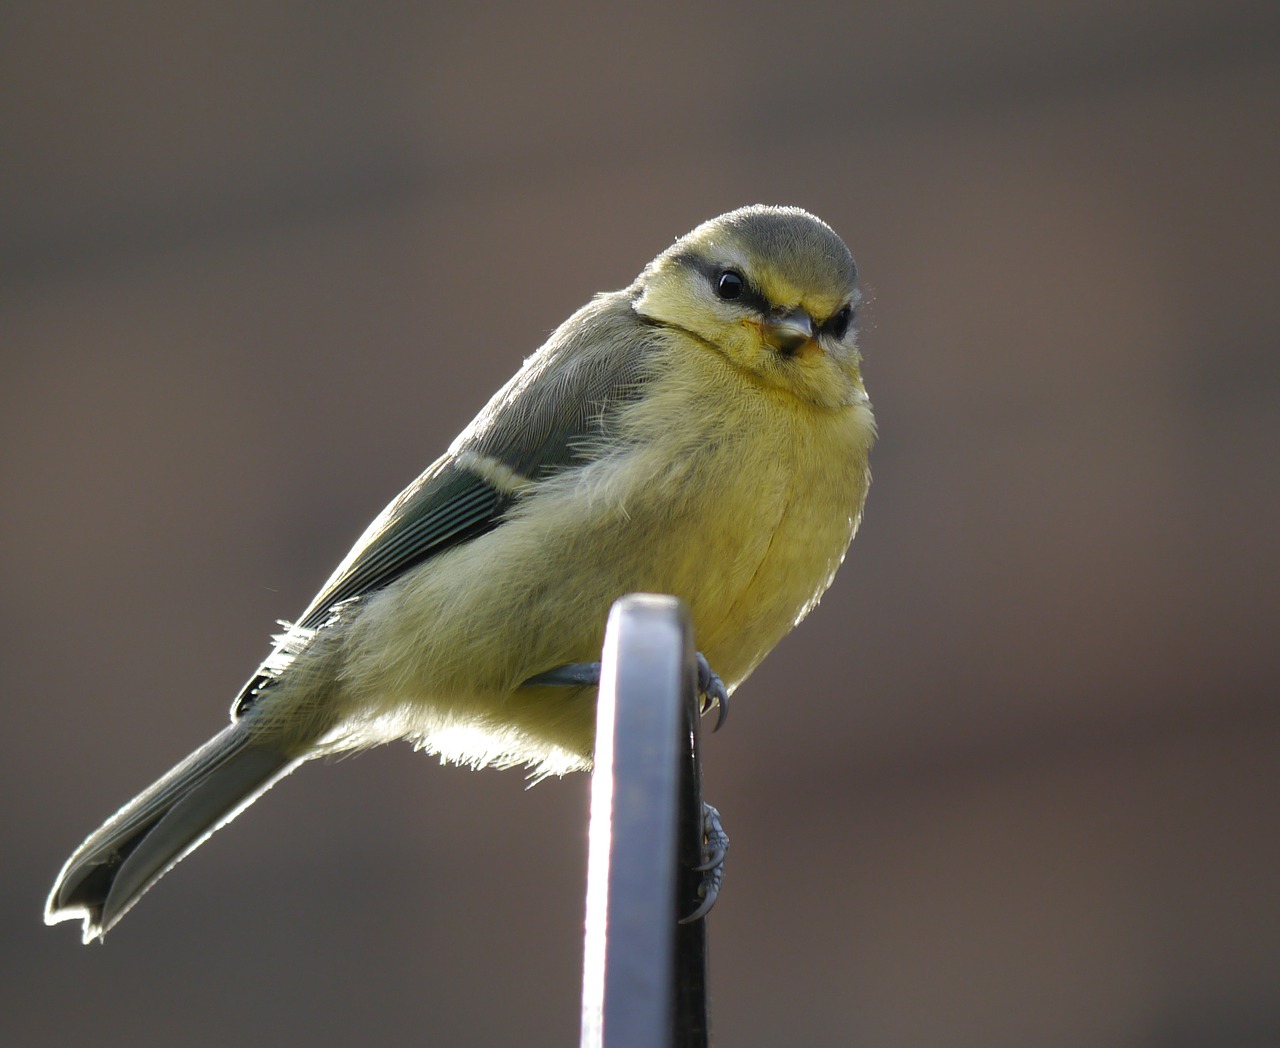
(703, 433)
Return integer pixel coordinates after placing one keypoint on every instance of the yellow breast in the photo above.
(759, 502)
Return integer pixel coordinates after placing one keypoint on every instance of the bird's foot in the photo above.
(711, 693)
(715, 846)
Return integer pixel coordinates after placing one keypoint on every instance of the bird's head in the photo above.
(771, 288)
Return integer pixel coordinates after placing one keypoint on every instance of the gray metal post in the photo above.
(644, 976)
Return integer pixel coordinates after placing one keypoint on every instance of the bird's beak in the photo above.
(787, 332)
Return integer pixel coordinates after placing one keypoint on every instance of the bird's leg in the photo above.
(711, 693)
(570, 675)
(711, 690)
(715, 846)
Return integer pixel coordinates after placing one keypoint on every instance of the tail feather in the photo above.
(157, 829)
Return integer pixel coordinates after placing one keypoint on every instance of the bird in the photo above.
(703, 432)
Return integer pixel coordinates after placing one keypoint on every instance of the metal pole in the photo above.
(644, 976)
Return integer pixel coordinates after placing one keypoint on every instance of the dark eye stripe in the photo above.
(749, 297)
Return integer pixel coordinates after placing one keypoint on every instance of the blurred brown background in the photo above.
(1016, 781)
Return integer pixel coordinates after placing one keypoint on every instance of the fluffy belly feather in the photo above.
(748, 534)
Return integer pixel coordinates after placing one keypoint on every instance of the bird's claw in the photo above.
(711, 692)
(715, 846)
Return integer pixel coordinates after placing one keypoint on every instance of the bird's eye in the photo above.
(839, 323)
(730, 285)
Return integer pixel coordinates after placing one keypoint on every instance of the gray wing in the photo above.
(548, 418)
(446, 505)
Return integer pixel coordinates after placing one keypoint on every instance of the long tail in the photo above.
(146, 838)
